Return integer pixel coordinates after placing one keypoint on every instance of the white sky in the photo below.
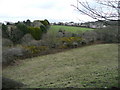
(53, 10)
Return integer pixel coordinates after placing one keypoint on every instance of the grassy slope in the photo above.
(90, 66)
(72, 29)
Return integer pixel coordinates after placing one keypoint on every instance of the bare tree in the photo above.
(100, 9)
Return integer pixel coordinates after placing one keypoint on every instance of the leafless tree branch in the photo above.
(109, 10)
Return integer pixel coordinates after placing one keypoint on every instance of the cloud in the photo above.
(53, 10)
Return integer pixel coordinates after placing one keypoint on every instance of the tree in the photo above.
(28, 22)
(4, 31)
(22, 27)
(46, 23)
(36, 32)
(103, 9)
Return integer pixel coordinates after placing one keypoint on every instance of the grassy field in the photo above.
(87, 67)
(56, 28)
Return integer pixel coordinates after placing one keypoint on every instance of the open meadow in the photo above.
(72, 29)
(94, 66)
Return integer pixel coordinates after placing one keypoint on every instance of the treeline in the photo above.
(16, 31)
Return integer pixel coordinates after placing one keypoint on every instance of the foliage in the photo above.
(6, 42)
(36, 32)
(10, 54)
(4, 31)
(45, 22)
(70, 40)
(26, 39)
(35, 49)
(50, 40)
(4, 27)
(63, 46)
(43, 28)
(109, 34)
(22, 27)
(16, 35)
(89, 36)
(28, 22)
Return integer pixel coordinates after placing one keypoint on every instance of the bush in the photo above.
(16, 35)
(63, 47)
(89, 36)
(46, 23)
(36, 43)
(26, 39)
(71, 41)
(50, 40)
(23, 28)
(109, 34)
(6, 42)
(4, 31)
(36, 32)
(35, 49)
(43, 28)
(10, 54)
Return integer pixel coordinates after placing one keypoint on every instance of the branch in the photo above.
(97, 14)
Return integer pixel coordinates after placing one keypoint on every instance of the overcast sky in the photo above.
(53, 10)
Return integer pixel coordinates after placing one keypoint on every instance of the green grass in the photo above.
(87, 67)
(56, 28)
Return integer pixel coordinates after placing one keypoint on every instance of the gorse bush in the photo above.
(35, 49)
(36, 32)
(70, 41)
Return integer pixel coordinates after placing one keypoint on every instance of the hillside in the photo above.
(86, 67)
(72, 29)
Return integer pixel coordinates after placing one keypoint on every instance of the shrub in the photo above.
(16, 35)
(22, 27)
(35, 49)
(71, 41)
(50, 40)
(63, 47)
(36, 32)
(6, 42)
(46, 23)
(34, 43)
(27, 38)
(28, 22)
(109, 34)
(10, 54)
(89, 36)
(4, 31)
(43, 28)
